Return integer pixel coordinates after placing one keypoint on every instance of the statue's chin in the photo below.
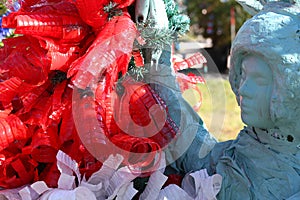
(256, 121)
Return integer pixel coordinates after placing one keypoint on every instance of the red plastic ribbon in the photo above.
(44, 145)
(191, 80)
(93, 13)
(36, 105)
(195, 59)
(16, 171)
(12, 129)
(110, 53)
(138, 59)
(57, 20)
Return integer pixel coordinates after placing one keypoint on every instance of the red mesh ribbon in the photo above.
(138, 59)
(173, 179)
(195, 59)
(56, 24)
(93, 13)
(16, 171)
(24, 65)
(141, 152)
(141, 112)
(190, 81)
(128, 123)
(56, 20)
(44, 145)
(12, 129)
(36, 111)
(50, 174)
(109, 54)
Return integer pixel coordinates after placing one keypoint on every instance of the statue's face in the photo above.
(255, 92)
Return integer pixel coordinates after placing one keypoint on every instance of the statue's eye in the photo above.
(243, 76)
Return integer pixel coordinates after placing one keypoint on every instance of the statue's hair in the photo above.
(274, 35)
(254, 6)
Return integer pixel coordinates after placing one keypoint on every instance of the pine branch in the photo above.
(155, 38)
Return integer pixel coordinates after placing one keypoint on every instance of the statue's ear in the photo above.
(252, 6)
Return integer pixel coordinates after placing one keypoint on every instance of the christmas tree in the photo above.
(76, 95)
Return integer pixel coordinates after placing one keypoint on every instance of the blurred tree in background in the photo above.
(213, 19)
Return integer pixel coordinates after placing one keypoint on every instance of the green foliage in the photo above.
(136, 72)
(3, 9)
(155, 38)
(177, 20)
(158, 38)
(216, 14)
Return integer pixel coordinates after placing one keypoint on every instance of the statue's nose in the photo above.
(244, 90)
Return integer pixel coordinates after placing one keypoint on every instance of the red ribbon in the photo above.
(191, 80)
(85, 43)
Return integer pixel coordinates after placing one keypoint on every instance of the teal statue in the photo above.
(264, 161)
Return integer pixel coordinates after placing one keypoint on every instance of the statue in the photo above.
(264, 161)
